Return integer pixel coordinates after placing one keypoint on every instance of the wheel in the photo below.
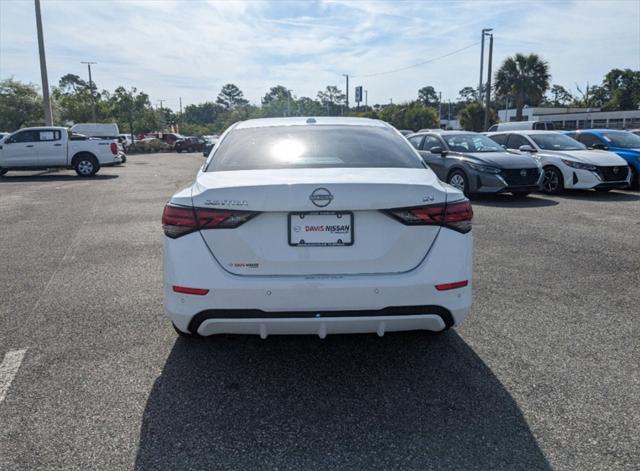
(603, 190)
(124, 159)
(458, 179)
(185, 335)
(553, 182)
(86, 166)
(3, 171)
(520, 194)
(635, 179)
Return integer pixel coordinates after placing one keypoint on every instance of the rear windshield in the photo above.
(314, 146)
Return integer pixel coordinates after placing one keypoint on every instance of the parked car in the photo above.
(51, 147)
(566, 162)
(522, 126)
(190, 144)
(125, 140)
(405, 132)
(3, 135)
(473, 163)
(624, 143)
(208, 146)
(316, 226)
(635, 131)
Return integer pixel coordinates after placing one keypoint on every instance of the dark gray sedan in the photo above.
(475, 164)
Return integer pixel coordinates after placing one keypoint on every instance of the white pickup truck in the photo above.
(51, 147)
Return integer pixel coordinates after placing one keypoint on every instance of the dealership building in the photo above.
(576, 118)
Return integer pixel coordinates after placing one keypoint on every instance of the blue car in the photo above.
(624, 143)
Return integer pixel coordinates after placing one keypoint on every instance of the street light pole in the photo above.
(480, 88)
(486, 109)
(93, 99)
(347, 77)
(366, 98)
(46, 101)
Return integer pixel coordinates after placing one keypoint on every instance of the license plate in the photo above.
(321, 229)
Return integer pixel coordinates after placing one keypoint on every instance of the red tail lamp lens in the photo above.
(181, 220)
(185, 290)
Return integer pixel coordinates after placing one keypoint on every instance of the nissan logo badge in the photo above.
(321, 197)
(523, 172)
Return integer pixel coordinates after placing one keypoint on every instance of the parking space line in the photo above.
(8, 369)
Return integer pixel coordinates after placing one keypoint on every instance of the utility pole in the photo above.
(46, 101)
(439, 108)
(480, 88)
(366, 98)
(180, 106)
(488, 105)
(347, 77)
(93, 99)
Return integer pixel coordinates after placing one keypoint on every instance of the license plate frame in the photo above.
(303, 243)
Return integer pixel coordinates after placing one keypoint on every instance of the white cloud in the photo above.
(189, 49)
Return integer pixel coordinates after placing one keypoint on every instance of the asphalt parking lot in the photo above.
(543, 375)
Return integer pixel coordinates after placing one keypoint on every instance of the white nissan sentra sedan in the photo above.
(316, 226)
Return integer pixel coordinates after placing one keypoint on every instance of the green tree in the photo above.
(277, 93)
(74, 103)
(231, 97)
(559, 96)
(20, 104)
(471, 117)
(332, 99)
(428, 96)
(622, 87)
(468, 94)
(414, 116)
(133, 111)
(524, 78)
(202, 113)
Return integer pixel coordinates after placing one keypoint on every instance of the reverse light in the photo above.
(182, 220)
(454, 285)
(456, 215)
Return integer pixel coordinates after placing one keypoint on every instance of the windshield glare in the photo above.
(319, 146)
(625, 140)
(556, 142)
(471, 143)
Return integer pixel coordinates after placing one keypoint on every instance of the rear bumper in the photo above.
(116, 160)
(323, 304)
(433, 318)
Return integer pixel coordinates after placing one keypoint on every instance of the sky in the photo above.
(191, 48)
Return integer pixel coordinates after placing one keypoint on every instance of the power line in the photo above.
(419, 63)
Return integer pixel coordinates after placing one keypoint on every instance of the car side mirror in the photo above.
(599, 146)
(438, 150)
(526, 148)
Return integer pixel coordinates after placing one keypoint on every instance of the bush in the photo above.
(149, 146)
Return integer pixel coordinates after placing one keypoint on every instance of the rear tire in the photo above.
(635, 179)
(458, 179)
(86, 165)
(184, 335)
(553, 182)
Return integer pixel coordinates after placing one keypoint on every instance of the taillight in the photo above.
(114, 148)
(456, 216)
(181, 220)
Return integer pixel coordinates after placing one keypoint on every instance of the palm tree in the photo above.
(524, 78)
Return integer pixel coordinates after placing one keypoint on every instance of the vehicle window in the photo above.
(588, 139)
(517, 140)
(430, 142)
(320, 146)
(626, 140)
(471, 143)
(499, 138)
(556, 142)
(48, 136)
(25, 136)
(415, 141)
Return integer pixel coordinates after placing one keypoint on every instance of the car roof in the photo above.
(526, 132)
(443, 131)
(306, 120)
(37, 128)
